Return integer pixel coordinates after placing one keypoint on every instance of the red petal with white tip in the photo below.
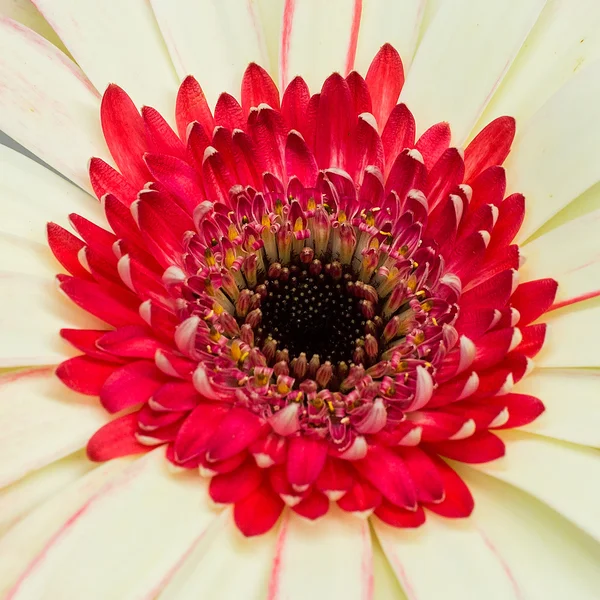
(361, 99)
(228, 488)
(479, 448)
(305, 460)
(105, 180)
(191, 106)
(533, 298)
(400, 517)
(229, 113)
(258, 512)
(362, 498)
(398, 133)
(236, 432)
(258, 88)
(294, 105)
(300, 160)
(457, 502)
(66, 247)
(312, 507)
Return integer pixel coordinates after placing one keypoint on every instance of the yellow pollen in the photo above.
(345, 420)
(298, 225)
(311, 204)
(232, 232)
(210, 258)
(262, 379)
(330, 405)
(342, 218)
(265, 221)
(282, 388)
(420, 337)
(434, 321)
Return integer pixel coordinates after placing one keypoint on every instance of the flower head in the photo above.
(315, 306)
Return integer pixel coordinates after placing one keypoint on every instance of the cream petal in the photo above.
(212, 40)
(224, 564)
(124, 540)
(29, 536)
(33, 311)
(388, 21)
(464, 55)
(554, 153)
(271, 17)
(318, 38)
(385, 583)
(25, 12)
(547, 556)
(47, 104)
(42, 421)
(564, 476)
(564, 40)
(18, 255)
(572, 336)
(571, 400)
(445, 559)
(31, 195)
(571, 255)
(343, 565)
(117, 42)
(20, 498)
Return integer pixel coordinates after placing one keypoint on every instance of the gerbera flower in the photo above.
(305, 277)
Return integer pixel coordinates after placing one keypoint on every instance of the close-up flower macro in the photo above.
(300, 299)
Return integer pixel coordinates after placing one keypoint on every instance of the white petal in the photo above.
(47, 104)
(117, 42)
(24, 495)
(271, 17)
(445, 559)
(26, 13)
(18, 255)
(572, 336)
(571, 400)
(554, 154)
(212, 40)
(342, 566)
(29, 536)
(318, 38)
(33, 311)
(547, 556)
(42, 421)
(463, 56)
(125, 540)
(571, 255)
(31, 195)
(385, 583)
(564, 476)
(564, 40)
(224, 564)
(388, 21)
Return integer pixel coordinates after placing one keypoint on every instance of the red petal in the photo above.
(228, 488)
(236, 432)
(433, 143)
(130, 385)
(161, 138)
(362, 497)
(130, 341)
(65, 246)
(336, 477)
(533, 339)
(491, 293)
(424, 474)
(196, 431)
(490, 146)
(258, 512)
(510, 218)
(361, 99)
(368, 150)
(305, 460)
(468, 256)
(444, 176)
(398, 133)
(522, 409)
(533, 298)
(407, 173)
(493, 347)
(400, 517)
(458, 501)
(125, 134)
(229, 113)
(479, 448)
(389, 474)
(268, 133)
(116, 439)
(175, 396)
(385, 79)
(299, 160)
(335, 122)
(105, 180)
(85, 340)
(191, 106)
(84, 375)
(312, 507)
(258, 88)
(295, 104)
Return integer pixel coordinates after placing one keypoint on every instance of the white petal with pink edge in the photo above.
(47, 104)
(212, 40)
(117, 42)
(572, 336)
(224, 564)
(24, 495)
(391, 22)
(563, 41)
(553, 159)
(42, 421)
(318, 38)
(32, 313)
(547, 555)
(271, 17)
(26, 13)
(385, 583)
(564, 476)
(30, 535)
(571, 400)
(31, 195)
(462, 58)
(154, 515)
(445, 559)
(341, 568)
(571, 255)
